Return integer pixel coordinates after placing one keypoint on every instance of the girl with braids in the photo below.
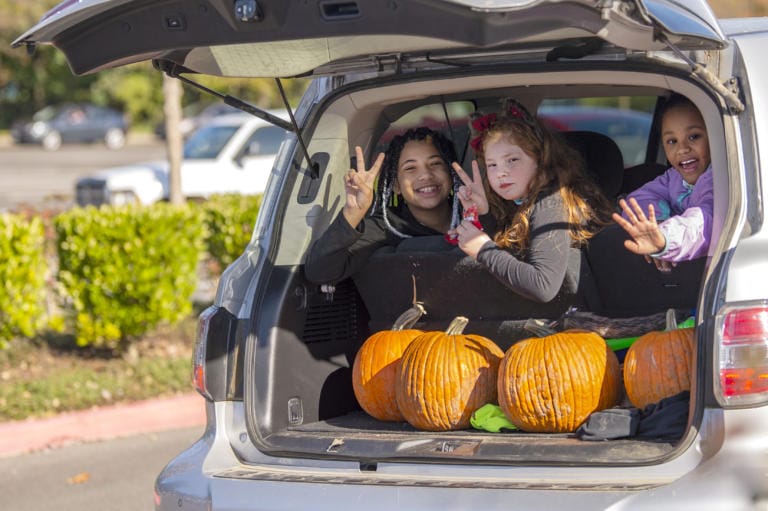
(416, 197)
(543, 202)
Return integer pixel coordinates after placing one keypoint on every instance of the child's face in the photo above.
(510, 170)
(423, 178)
(686, 145)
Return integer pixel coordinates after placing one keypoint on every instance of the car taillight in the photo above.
(742, 363)
(201, 349)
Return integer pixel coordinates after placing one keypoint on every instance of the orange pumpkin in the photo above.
(374, 370)
(659, 364)
(445, 376)
(551, 384)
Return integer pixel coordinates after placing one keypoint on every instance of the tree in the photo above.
(173, 139)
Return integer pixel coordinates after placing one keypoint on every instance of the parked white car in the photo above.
(231, 153)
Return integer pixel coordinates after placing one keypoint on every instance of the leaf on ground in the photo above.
(80, 478)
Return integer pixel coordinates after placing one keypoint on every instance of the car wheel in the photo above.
(114, 138)
(52, 141)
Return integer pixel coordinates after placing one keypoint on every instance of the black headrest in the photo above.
(603, 159)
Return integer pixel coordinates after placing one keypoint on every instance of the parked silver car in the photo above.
(274, 350)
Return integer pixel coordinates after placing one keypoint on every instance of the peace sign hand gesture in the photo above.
(472, 192)
(358, 185)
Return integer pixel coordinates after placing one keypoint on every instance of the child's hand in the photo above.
(472, 193)
(470, 214)
(471, 239)
(647, 238)
(358, 185)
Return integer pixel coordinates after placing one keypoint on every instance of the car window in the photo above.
(265, 140)
(46, 114)
(451, 121)
(208, 141)
(626, 120)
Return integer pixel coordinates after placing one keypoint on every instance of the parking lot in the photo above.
(33, 177)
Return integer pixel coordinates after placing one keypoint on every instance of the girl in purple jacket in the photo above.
(678, 226)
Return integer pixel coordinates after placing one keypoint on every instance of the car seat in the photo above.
(638, 175)
(602, 158)
(627, 285)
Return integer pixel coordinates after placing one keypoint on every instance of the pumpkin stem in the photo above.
(538, 328)
(457, 326)
(671, 320)
(407, 319)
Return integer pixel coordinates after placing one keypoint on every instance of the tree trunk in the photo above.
(172, 92)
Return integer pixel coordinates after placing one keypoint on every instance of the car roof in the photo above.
(294, 38)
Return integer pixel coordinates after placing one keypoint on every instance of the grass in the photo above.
(40, 378)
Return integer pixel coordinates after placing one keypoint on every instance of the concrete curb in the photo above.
(102, 423)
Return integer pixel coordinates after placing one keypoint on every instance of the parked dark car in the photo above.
(72, 123)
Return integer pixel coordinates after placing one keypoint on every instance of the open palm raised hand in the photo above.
(358, 185)
(472, 192)
(647, 238)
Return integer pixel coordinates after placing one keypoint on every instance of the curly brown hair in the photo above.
(560, 167)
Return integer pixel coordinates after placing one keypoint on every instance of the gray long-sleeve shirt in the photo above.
(539, 273)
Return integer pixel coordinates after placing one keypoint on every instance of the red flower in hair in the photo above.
(484, 122)
(480, 125)
(515, 112)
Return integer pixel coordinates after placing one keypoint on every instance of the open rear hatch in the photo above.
(259, 38)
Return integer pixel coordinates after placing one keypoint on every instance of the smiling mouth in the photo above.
(428, 190)
(689, 165)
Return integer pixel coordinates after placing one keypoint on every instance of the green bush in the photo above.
(127, 269)
(23, 271)
(229, 221)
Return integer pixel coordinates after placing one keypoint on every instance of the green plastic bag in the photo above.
(491, 418)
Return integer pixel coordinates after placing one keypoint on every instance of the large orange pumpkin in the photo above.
(659, 364)
(551, 384)
(374, 370)
(445, 376)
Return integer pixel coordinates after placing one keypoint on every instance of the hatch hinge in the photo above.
(175, 71)
(394, 60)
(730, 91)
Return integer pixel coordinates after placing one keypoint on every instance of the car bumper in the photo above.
(209, 476)
(91, 192)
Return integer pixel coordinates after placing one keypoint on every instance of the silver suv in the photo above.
(274, 351)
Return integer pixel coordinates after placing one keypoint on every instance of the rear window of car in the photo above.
(627, 120)
(450, 118)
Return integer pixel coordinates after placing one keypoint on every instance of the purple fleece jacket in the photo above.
(684, 213)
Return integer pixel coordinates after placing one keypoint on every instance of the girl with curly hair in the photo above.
(543, 202)
(416, 197)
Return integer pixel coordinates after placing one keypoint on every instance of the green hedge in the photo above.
(229, 221)
(23, 272)
(127, 269)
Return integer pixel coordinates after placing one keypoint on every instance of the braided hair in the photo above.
(389, 171)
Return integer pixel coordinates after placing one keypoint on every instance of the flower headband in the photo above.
(511, 109)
